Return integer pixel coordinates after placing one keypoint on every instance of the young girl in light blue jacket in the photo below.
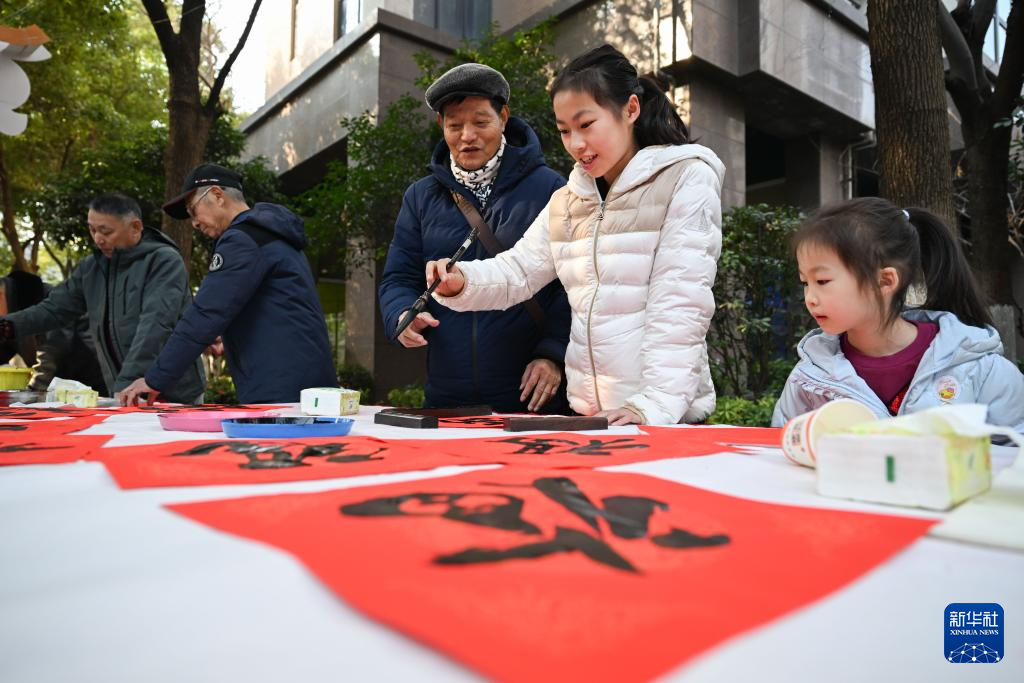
(857, 259)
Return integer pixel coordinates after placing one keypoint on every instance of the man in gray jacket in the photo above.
(134, 288)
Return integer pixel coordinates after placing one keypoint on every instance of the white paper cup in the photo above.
(801, 434)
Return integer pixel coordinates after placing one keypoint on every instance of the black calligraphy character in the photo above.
(627, 517)
(332, 449)
(598, 447)
(209, 447)
(534, 445)
(497, 511)
(565, 541)
(269, 457)
(279, 458)
(22, 447)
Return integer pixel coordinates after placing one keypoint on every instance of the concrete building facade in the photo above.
(779, 89)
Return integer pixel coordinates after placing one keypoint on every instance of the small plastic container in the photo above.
(286, 427)
(14, 379)
(800, 435)
(202, 420)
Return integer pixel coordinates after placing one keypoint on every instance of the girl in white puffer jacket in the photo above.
(634, 237)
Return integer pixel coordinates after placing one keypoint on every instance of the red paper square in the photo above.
(572, 449)
(582, 575)
(244, 461)
(34, 449)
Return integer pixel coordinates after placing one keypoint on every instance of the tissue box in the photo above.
(80, 398)
(927, 471)
(329, 401)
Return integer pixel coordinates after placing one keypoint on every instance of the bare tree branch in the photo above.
(65, 267)
(981, 18)
(213, 100)
(164, 31)
(960, 80)
(1010, 80)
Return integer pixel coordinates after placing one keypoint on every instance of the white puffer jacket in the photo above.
(638, 269)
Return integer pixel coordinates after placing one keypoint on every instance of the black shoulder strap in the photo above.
(493, 247)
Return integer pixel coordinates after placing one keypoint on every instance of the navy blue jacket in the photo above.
(260, 297)
(476, 357)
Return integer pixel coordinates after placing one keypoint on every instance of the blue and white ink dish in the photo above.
(286, 427)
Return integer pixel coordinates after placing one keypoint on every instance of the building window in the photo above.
(462, 18)
(350, 13)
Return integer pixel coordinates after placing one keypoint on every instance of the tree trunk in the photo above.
(990, 252)
(188, 131)
(910, 105)
(982, 103)
(189, 118)
(9, 229)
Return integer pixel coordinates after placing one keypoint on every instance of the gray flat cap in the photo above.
(467, 80)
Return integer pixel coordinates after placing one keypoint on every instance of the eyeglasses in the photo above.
(192, 205)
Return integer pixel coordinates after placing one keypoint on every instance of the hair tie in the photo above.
(906, 214)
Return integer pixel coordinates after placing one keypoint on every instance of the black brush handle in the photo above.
(421, 303)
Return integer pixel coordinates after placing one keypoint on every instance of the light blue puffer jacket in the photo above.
(963, 364)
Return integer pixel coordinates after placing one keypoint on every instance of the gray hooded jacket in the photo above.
(134, 299)
(963, 364)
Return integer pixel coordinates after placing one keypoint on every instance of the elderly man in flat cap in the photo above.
(258, 294)
(488, 172)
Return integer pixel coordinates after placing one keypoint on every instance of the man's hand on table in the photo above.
(131, 394)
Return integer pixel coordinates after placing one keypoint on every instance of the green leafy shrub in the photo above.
(744, 412)
(407, 397)
(356, 377)
(760, 314)
(220, 389)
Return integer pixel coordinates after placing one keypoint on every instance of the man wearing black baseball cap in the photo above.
(258, 295)
(203, 175)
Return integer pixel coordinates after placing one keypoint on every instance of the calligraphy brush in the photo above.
(421, 303)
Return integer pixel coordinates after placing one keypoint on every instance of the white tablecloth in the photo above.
(99, 584)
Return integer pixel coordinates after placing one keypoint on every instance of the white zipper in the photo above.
(593, 299)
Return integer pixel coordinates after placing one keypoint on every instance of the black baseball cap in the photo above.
(202, 175)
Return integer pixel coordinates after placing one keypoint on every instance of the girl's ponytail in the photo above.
(659, 122)
(950, 284)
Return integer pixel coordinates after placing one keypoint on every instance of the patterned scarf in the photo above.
(481, 181)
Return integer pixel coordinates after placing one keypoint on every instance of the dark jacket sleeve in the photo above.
(166, 285)
(64, 304)
(403, 279)
(557, 314)
(221, 296)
